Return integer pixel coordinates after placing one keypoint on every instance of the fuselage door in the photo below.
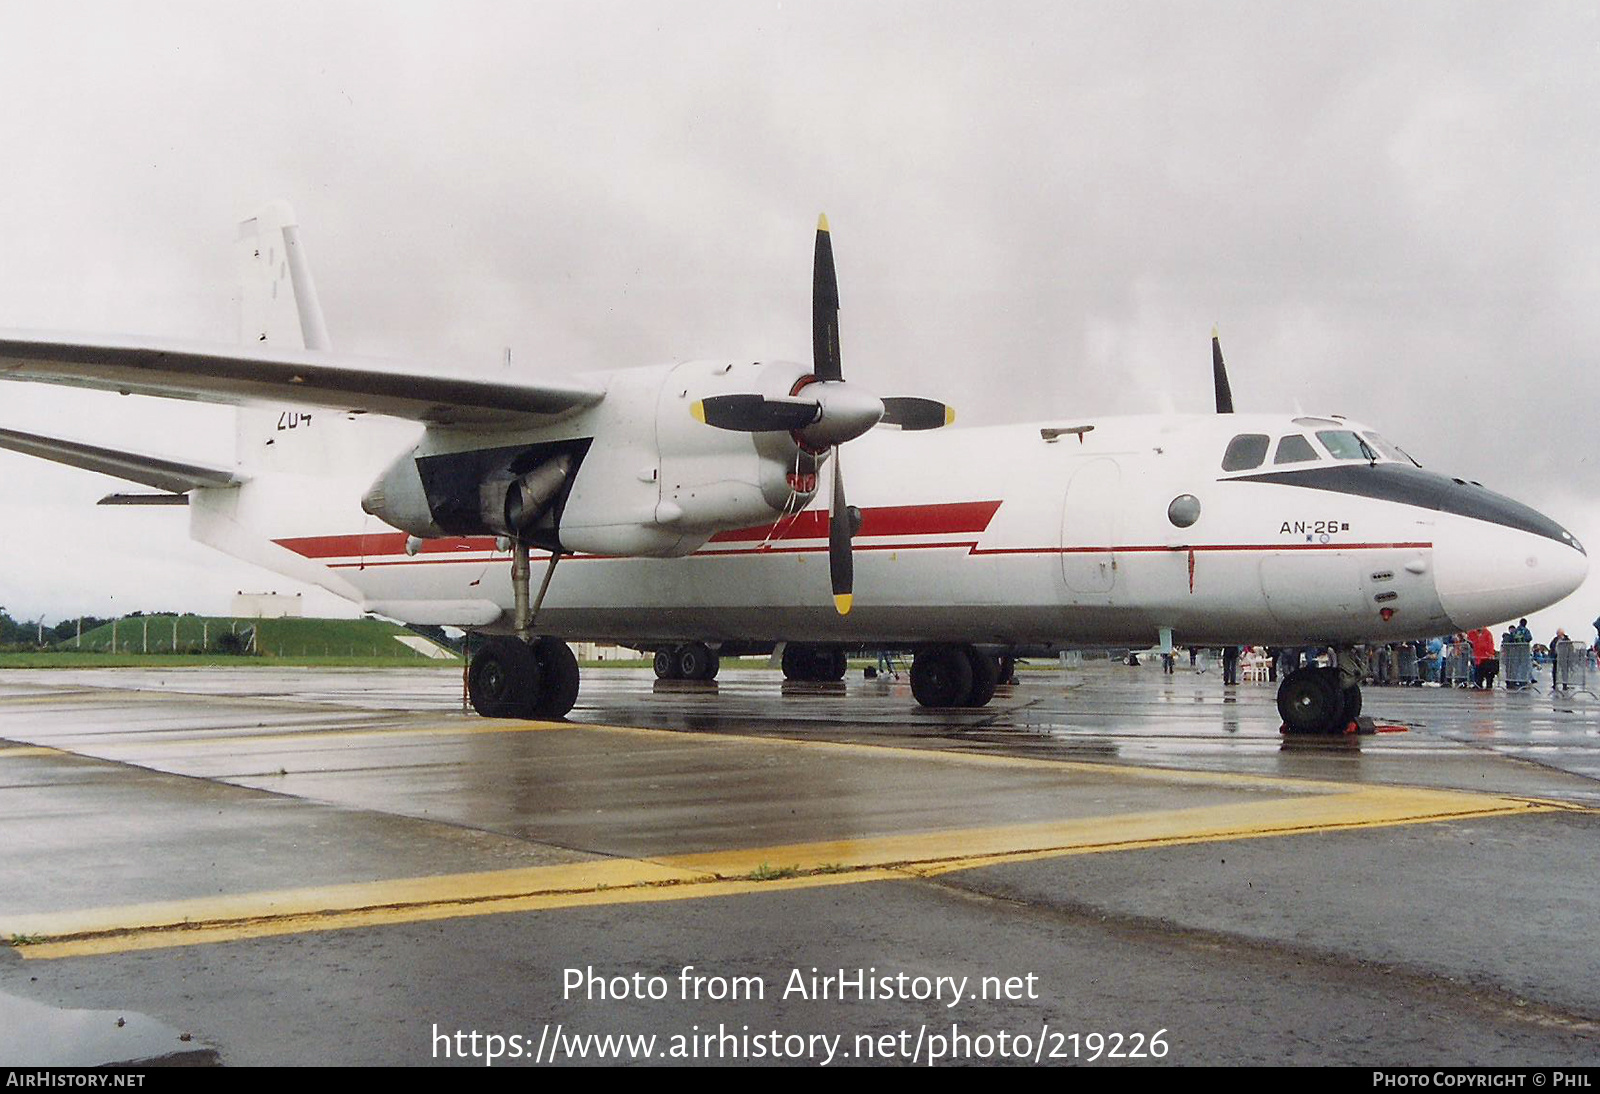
(1088, 528)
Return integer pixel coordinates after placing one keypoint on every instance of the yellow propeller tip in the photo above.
(949, 415)
(842, 601)
(1213, 331)
(822, 222)
(698, 409)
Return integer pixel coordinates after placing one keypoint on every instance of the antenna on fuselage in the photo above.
(1219, 376)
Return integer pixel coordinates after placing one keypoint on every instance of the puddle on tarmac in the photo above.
(35, 1035)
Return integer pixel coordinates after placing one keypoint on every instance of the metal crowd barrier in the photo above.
(1458, 665)
(1406, 666)
(1572, 666)
(1516, 665)
(1385, 670)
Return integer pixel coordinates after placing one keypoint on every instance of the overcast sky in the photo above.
(1038, 209)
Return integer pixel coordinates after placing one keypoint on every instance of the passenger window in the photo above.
(1245, 451)
(1294, 449)
(1342, 444)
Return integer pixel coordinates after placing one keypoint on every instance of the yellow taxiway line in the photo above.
(902, 856)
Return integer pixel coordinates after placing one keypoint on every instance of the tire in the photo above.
(941, 676)
(558, 676)
(813, 664)
(1352, 707)
(666, 665)
(1310, 702)
(695, 662)
(796, 662)
(985, 677)
(503, 679)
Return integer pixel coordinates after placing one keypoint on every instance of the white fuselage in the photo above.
(984, 535)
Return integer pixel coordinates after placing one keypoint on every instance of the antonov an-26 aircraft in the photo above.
(686, 506)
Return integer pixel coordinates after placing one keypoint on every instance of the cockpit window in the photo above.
(1294, 449)
(1393, 451)
(1343, 444)
(1245, 451)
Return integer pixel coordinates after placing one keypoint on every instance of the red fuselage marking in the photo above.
(949, 519)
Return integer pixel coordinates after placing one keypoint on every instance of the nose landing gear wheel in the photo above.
(1310, 701)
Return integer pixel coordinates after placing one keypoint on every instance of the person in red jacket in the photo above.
(1484, 653)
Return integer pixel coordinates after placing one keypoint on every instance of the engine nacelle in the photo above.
(398, 499)
(636, 475)
(716, 479)
(480, 492)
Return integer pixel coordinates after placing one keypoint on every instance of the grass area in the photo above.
(58, 659)
(357, 640)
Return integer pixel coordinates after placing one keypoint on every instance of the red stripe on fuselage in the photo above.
(889, 520)
(379, 544)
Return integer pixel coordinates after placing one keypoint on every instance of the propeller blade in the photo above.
(756, 413)
(910, 412)
(1219, 376)
(841, 566)
(825, 363)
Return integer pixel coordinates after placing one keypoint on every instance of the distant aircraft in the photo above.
(682, 505)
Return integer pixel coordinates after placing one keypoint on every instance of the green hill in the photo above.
(296, 638)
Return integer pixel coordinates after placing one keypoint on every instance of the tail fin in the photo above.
(279, 307)
(279, 298)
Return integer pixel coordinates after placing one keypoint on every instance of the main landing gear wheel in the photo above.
(1312, 701)
(953, 676)
(985, 677)
(558, 673)
(509, 678)
(503, 679)
(814, 664)
(694, 661)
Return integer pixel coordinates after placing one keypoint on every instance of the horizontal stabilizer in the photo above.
(152, 471)
(237, 376)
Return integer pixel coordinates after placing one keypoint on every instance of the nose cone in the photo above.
(1502, 562)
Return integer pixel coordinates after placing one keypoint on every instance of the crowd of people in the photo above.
(1463, 659)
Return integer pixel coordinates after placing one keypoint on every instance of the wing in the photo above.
(170, 475)
(228, 374)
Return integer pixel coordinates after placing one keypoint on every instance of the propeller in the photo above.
(823, 412)
(1219, 376)
(841, 560)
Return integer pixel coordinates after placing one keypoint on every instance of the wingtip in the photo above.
(843, 602)
(822, 222)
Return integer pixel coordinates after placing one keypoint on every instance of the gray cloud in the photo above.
(1038, 208)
